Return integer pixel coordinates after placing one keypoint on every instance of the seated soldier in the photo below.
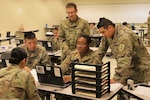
(55, 40)
(83, 54)
(16, 83)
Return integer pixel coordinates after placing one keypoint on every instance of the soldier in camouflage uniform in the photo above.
(16, 83)
(133, 59)
(55, 40)
(70, 29)
(83, 54)
(37, 55)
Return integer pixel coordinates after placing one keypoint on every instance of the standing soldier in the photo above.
(70, 29)
(133, 60)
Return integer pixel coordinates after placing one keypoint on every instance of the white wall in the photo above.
(118, 13)
(33, 14)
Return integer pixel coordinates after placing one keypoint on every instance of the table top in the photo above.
(136, 94)
(68, 91)
(46, 87)
(55, 53)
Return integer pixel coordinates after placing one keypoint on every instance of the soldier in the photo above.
(37, 55)
(133, 59)
(83, 54)
(70, 29)
(55, 40)
(16, 83)
(93, 29)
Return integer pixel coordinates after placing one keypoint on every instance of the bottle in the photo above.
(46, 26)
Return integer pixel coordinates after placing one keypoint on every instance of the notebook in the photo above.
(51, 76)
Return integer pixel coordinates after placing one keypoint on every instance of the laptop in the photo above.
(46, 44)
(51, 76)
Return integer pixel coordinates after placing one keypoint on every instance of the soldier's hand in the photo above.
(67, 78)
(112, 81)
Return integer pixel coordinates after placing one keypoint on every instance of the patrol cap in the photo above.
(30, 34)
(103, 22)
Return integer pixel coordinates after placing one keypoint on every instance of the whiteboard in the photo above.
(118, 13)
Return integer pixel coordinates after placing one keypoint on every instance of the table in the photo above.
(136, 95)
(68, 92)
(48, 88)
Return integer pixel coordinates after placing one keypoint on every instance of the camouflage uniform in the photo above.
(88, 58)
(133, 60)
(37, 57)
(69, 32)
(17, 84)
(55, 43)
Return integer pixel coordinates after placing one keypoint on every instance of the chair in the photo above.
(141, 31)
(5, 59)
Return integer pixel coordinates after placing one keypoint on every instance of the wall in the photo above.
(33, 14)
(132, 11)
(118, 13)
(97, 2)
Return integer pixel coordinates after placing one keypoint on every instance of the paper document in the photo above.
(115, 86)
(145, 91)
(34, 74)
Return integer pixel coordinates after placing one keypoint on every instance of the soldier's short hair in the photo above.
(71, 4)
(17, 54)
(29, 35)
(103, 22)
(87, 37)
(55, 28)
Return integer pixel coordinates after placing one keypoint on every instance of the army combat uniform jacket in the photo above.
(55, 43)
(69, 32)
(88, 59)
(133, 60)
(17, 84)
(37, 57)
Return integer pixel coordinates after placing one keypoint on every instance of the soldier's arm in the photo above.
(31, 89)
(102, 49)
(124, 58)
(65, 64)
(62, 38)
(86, 29)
